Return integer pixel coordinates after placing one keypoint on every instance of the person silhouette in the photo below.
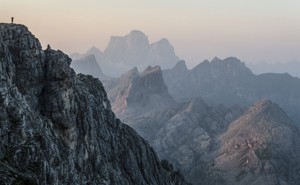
(12, 20)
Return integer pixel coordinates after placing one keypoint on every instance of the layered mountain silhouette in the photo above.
(219, 145)
(88, 65)
(230, 82)
(291, 67)
(212, 143)
(57, 127)
(132, 50)
(260, 147)
(136, 93)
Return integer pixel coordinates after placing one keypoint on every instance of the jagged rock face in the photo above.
(135, 93)
(260, 147)
(230, 82)
(218, 145)
(185, 134)
(57, 127)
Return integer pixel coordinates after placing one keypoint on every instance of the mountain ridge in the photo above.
(58, 128)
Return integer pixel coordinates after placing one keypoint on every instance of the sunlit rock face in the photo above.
(260, 147)
(219, 145)
(57, 127)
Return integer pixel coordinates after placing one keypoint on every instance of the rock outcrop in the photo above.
(135, 93)
(57, 127)
(260, 147)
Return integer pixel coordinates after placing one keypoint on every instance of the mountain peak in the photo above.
(13, 33)
(137, 33)
(151, 69)
(180, 65)
(93, 49)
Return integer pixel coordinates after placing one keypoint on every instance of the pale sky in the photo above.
(254, 31)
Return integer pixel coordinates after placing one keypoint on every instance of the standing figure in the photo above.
(12, 20)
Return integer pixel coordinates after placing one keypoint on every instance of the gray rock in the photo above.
(57, 127)
(230, 82)
(135, 93)
(185, 134)
(260, 147)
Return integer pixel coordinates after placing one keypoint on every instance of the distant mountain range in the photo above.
(291, 68)
(213, 143)
(218, 122)
(218, 145)
(230, 82)
(132, 50)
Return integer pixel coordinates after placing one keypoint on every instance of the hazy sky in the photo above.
(256, 30)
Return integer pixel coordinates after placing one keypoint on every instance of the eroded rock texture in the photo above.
(57, 127)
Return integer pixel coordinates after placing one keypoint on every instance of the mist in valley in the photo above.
(150, 93)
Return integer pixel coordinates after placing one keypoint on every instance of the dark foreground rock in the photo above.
(57, 127)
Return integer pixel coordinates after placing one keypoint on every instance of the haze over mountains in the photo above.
(291, 67)
(200, 120)
(132, 50)
(218, 122)
(213, 143)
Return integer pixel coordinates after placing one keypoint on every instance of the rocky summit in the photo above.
(57, 127)
(261, 147)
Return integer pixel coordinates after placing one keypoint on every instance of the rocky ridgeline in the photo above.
(58, 128)
(230, 82)
(135, 93)
(132, 50)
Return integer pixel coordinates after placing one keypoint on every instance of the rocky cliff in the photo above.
(58, 128)
(136, 93)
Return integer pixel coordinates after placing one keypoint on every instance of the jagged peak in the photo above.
(265, 110)
(151, 69)
(137, 33)
(129, 74)
(263, 105)
(94, 49)
(13, 32)
(228, 60)
(230, 65)
(180, 65)
(163, 41)
(88, 57)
